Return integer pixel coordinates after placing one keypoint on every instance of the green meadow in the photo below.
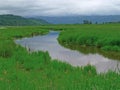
(105, 37)
(22, 70)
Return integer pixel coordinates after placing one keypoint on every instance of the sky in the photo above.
(60, 7)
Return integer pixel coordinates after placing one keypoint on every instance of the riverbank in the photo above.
(20, 70)
(50, 44)
(105, 37)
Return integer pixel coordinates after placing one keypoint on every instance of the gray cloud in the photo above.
(58, 8)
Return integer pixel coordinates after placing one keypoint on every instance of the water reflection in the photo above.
(49, 43)
(93, 50)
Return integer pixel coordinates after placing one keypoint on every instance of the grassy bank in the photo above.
(21, 70)
(105, 37)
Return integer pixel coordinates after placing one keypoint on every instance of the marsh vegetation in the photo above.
(21, 70)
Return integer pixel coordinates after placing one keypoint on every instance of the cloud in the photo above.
(60, 8)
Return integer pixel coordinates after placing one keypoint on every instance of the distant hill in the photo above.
(80, 19)
(13, 20)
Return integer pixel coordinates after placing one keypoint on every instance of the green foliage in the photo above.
(13, 20)
(22, 70)
(105, 37)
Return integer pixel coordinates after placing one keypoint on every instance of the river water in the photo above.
(56, 51)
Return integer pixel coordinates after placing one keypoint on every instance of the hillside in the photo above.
(80, 19)
(13, 20)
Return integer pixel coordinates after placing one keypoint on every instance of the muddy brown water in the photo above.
(56, 51)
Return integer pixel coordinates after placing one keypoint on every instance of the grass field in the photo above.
(105, 37)
(21, 70)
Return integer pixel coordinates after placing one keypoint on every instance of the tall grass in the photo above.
(20, 70)
(105, 37)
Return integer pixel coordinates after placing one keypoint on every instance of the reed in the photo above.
(20, 70)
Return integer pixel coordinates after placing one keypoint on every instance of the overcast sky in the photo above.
(60, 7)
